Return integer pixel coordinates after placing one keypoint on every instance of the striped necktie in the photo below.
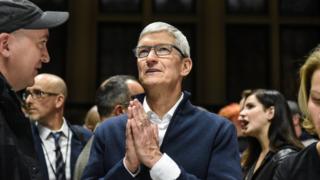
(60, 165)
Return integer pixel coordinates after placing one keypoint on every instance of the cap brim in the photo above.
(49, 19)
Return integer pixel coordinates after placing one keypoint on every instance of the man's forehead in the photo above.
(34, 33)
(161, 37)
(35, 87)
(41, 83)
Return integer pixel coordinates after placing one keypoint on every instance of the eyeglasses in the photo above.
(160, 50)
(37, 94)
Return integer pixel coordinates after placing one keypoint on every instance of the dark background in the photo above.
(235, 45)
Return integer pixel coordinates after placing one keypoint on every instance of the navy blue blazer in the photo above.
(203, 145)
(79, 139)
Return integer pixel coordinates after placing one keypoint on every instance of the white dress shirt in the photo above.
(165, 168)
(48, 147)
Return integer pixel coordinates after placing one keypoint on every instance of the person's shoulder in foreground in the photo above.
(23, 37)
(306, 164)
(297, 167)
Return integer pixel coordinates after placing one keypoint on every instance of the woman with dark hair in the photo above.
(265, 119)
(305, 165)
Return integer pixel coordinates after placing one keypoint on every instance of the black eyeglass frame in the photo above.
(135, 50)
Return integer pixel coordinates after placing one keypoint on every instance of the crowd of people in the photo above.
(145, 128)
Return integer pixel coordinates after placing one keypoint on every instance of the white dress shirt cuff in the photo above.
(165, 169)
(132, 174)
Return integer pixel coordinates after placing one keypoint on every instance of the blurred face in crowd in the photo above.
(254, 118)
(92, 118)
(43, 100)
(314, 100)
(158, 69)
(24, 51)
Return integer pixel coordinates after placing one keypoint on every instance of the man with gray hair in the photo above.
(23, 37)
(163, 136)
(114, 94)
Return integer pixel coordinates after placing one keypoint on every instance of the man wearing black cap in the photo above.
(23, 37)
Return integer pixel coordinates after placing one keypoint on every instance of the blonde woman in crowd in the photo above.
(306, 164)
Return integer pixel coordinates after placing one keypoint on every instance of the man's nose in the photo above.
(152, 53)
(152, 56)
(45, 56)
(28, 99)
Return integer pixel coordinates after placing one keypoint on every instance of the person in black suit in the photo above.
(44, 102)
(163, 135)
(23, 37)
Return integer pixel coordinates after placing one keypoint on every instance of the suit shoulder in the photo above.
(212, 122)
(214, 118)
(113, 121)
(81, 132)
(111, 125)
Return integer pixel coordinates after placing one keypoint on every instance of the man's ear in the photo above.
(60, 101)
(186, 66)
(118, 110)
(4, 44)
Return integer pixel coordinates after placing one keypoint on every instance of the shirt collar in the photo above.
(170, 113)
(44, 132)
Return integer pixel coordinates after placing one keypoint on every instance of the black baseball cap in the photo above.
(23, 14)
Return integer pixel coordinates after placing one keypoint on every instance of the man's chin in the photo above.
(151, 81)
(33, 118)
(151, 84)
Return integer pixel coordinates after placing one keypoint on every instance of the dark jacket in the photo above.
(79, 139)
(270, 163)
(17, 154)
(203, 145)
(305, 165)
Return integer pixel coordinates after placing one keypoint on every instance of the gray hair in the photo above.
(180, 39)
(112, 92)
